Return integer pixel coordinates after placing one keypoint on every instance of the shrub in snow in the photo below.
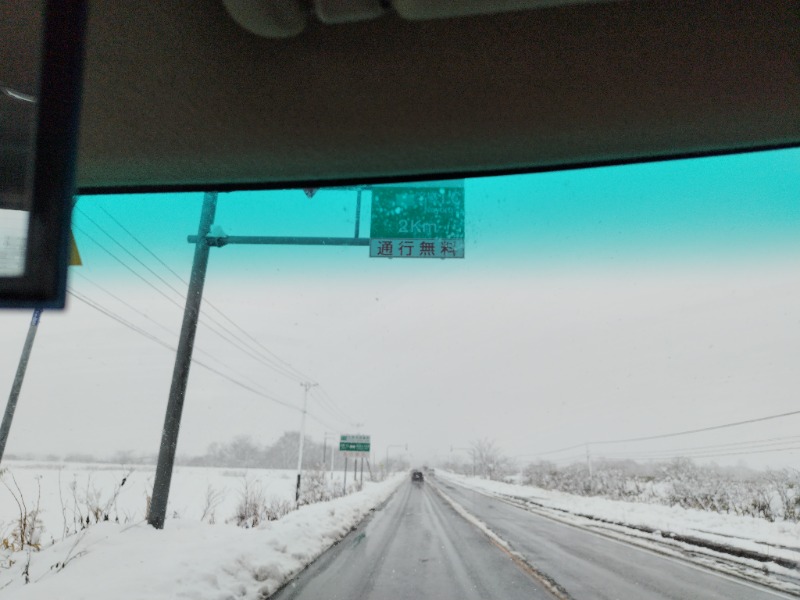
(214, 498)
(770, 495)
(252, 506)
(26, 529)
(314, 487)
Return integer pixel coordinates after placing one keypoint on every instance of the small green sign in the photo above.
(344, 447)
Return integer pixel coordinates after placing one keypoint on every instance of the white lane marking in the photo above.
(550, 584)
(662, 554)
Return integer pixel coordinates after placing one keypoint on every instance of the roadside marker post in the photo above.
(22, 366)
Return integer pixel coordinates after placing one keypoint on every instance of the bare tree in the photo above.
(488, 459)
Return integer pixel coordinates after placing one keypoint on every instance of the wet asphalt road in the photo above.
(417, 547)
(593, 567)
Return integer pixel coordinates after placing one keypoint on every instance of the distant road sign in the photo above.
(354, 443)
(421, 220)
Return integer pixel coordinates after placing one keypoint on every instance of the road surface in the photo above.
(590, 566)
(417, 547)
(414, 547)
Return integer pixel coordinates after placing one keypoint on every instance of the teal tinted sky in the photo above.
(725, 208)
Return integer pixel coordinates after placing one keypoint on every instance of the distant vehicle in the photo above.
(417, 476)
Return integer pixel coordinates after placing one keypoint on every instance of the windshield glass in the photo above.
(585, 386)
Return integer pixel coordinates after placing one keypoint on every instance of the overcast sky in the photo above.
(592, 305)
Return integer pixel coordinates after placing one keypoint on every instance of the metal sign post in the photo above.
(11, 406)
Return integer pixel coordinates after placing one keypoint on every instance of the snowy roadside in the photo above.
(745, 546)
(189, 559)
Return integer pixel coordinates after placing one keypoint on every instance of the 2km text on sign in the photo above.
(423, 220)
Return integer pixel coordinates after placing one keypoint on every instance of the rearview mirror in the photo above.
(41, 46)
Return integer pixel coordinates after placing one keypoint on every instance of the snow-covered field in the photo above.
(191, 558)
(72, 490)
(730, 542)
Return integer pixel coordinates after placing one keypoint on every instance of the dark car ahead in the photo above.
(417, 476)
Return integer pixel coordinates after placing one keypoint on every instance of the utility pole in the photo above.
(589, 466)
(324, 450)
(180, 374)
(333, 454)
(22, 366)
(306, 386)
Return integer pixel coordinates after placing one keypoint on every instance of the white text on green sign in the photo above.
(354, 443)
(423, 220)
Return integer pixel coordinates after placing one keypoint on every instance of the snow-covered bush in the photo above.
(770, 495)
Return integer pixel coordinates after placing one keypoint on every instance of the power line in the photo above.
(180, 294)
(124, 302)
(700, 430)
(119, 319)
(124, 264)
(299, 374)
(719, 455)
(332, 415)
(111, 314)
(245, 350)
(711, 448)
(665, 435)
(327, 403)
(168, 330)
(273, 361)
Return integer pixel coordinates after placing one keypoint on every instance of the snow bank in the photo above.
(747, 532)
(188, 559)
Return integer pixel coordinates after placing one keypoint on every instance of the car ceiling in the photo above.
(178, 95)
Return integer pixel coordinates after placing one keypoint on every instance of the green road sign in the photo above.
(354, 443)
(424, 220)
(353, 447)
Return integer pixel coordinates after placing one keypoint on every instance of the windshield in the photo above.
(576, 384)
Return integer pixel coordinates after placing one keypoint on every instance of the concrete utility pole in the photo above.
(183, 359)
(589, 466)
(306, 386)
(333, 453)
(324, 452)
(22, 366)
